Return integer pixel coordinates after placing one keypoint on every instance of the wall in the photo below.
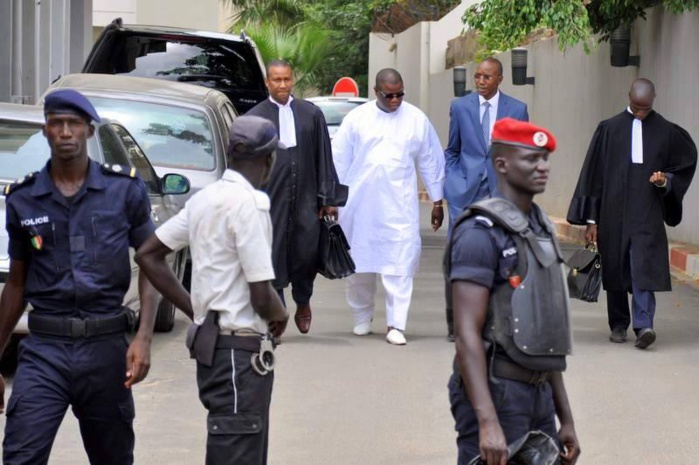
(40, 42)
(104, 11)
(207, 15)
(574, 91)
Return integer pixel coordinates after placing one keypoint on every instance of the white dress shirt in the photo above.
(494, 100)
(287, 126)
(229, 232)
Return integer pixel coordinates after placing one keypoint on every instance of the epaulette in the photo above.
(25, 181)
(118, 169)
(484, 220)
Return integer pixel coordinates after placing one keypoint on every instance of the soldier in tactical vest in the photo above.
(512, 323)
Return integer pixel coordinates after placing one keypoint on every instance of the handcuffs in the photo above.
(263, 361)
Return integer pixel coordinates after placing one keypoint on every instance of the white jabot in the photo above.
(287, 126)
(494, 101)
(636, 140)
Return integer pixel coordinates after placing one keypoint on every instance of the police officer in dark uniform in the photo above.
(510, 307)
(228, 229)
(70, 228)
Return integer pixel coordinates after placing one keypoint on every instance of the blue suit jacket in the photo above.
(466, 156)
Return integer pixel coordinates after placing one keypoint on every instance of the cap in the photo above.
(510, 131)
(253, 135)
(70, 101)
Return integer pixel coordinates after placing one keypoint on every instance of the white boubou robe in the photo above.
(376, 154)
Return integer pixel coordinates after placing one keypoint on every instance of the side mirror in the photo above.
(174, 184)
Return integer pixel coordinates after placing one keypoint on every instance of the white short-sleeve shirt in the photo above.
(229, 232)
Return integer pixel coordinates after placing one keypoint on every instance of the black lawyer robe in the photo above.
(628, 209)
(303, 180)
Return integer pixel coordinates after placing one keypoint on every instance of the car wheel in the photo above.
(165, 318)
(187, 278)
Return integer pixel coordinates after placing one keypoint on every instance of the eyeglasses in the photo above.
(391, 96)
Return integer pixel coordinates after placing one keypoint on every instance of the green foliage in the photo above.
(305, 47)
(285, 13)
(333, 35)
(349, 23)
(504, 24)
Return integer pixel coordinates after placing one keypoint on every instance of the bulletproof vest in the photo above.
(528, 315)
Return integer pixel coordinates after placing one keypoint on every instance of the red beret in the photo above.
(514, 132)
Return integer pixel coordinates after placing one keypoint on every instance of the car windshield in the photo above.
(173, 137)
(335, 111)
(23, 149)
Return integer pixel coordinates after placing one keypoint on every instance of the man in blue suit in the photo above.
(470, 175)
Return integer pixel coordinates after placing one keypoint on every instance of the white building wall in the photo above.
(105, 11)
(207, 15)
(41, 41)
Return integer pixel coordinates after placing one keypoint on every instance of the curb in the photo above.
(684, 258)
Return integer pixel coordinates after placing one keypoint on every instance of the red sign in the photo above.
(346, 87)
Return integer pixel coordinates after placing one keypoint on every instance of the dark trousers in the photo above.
(238, 400)
(521, 407)
(301, 291)
(643, 305)
(87, 374)
(449, 305)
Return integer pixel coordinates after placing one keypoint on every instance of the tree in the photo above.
(342, 25)
(285, 13)
(305, 47)
(504, 24)
(349, 23)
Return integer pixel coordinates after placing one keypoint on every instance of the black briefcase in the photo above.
(334, 259)
(585, 275)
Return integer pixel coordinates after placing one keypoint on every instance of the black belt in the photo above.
(231, 341)
(77, 327)
(504, 369)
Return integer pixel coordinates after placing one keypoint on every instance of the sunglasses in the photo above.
(391, 96)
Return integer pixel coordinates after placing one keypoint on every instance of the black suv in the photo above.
(225, 62)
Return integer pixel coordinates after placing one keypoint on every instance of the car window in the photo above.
(170, 136)
(138, 159)
(23, 149)
(196, 59)
(228, 115)
(335, 111)
(112, 148)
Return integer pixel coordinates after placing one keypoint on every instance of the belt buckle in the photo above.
(540, 377)
(77, 327)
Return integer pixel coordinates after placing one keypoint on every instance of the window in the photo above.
(138, 159)
(171, 136)
(229, 64)
(112, 149)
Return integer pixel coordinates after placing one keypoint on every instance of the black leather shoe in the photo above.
(618, 336)
(450, 337)
(645, 338)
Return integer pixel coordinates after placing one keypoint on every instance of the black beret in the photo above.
(253, 135)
